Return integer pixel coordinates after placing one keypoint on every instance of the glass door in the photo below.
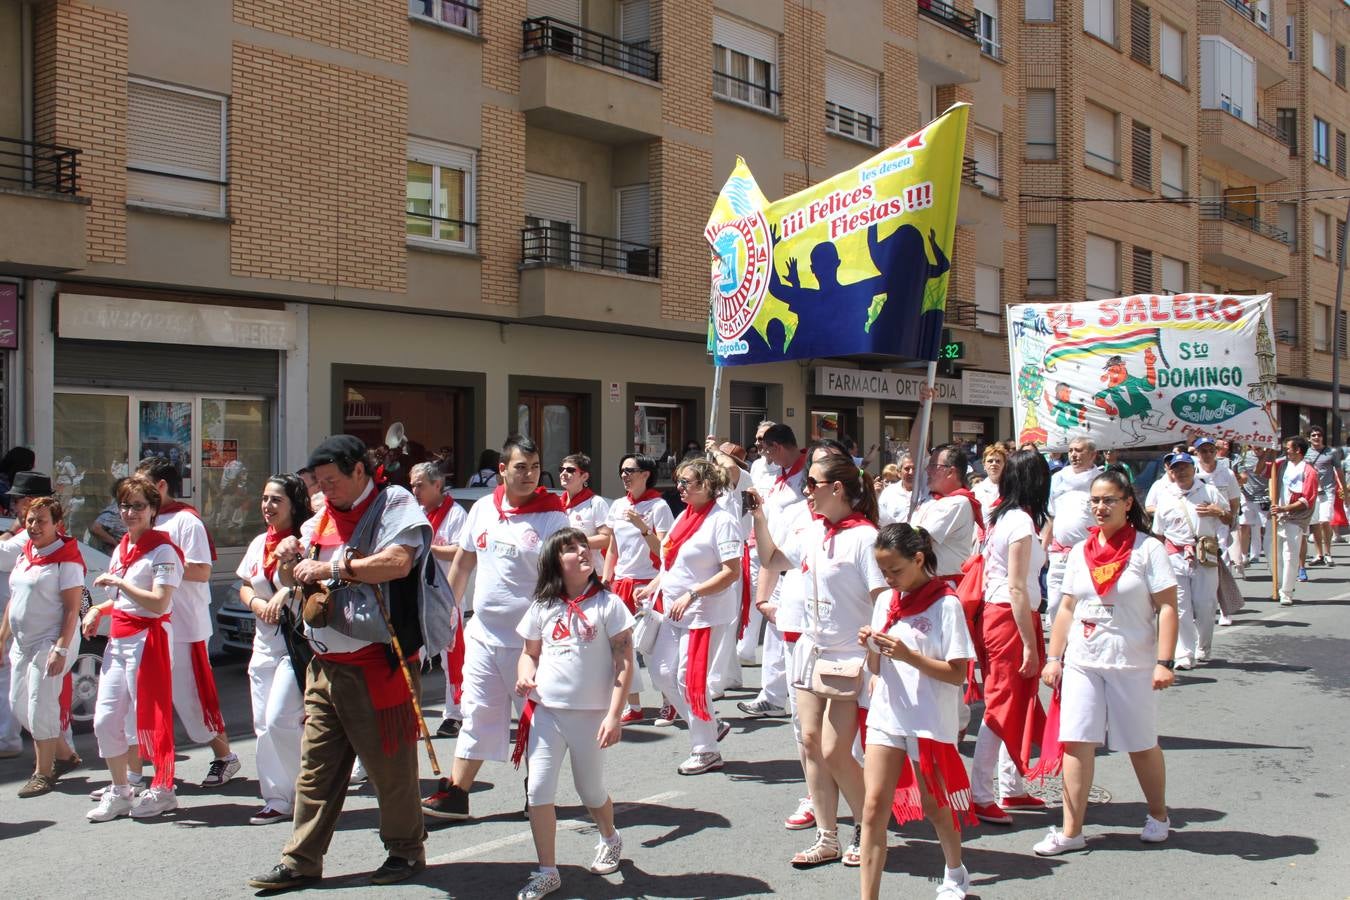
(164, 428)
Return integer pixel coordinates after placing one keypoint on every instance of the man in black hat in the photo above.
(364, 546)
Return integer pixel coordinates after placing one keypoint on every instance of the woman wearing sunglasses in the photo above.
(842, 583)
(586, 510)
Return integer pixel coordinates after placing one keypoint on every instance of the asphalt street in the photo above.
(1257, 785)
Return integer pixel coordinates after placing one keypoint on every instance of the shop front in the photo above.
(898, 395)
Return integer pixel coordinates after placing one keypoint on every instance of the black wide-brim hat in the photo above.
(31, 484)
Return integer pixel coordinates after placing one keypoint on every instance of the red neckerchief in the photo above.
(173, 506)
(573, 611)
(336, 526)
(852, 520)
(685, 527)
(568, 501)
(1106, 561)
(68, 552)
(128, 552)
(970, 498)
(786, 475)
(911, 603)
(437, 516)
(648, 494)
(540, 501)
(270, 542)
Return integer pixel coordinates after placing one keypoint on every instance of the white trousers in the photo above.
(115, 708)
(1054, 579)
(745, 647)
(991, 755)
(488, 699)
(724, 667)
(1197, 600)
(773, 670)
(1289, 538)
(186, 703)
(278, 716)
(10, 738)
(34, 697)
(554, 734)
(669, 662)
(451, 707)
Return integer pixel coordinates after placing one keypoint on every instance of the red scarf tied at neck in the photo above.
(336, 526)
(911, 603)
(437, 516)
(974, 505)
(1106, 561)
(569, 502)
(67, 552)
(685, 527)
(271, 541)
(175, 506)
(786, 475)
(648, 494)
(539, 502)
(149, 540)
(852, 520)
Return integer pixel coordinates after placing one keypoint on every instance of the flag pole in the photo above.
(918, 442)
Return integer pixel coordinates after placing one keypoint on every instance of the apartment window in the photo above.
(1173, 169)
(1288, 217)
(1340, 153)
(986, 26)
(633, 207)
(1289, 36)
(1173, 276)
(988, 290)
(1340, 241)
(460, 14)
(1286, 127)
(1141, 155)
(1103, 268)
(851, 104)
(552, 219)
(1099, 18)
(1340, 65)
(1172, 52)
(1040, 124)
(744, 63)
(1286, 321)
(985, 145)
(1142, 271)
(1321, 142)
(1321, 235)
(1321, 327)
(440, 191)
(175, 148)
(1227, 79)
(1321, 57)
(553, 422)
(1141, 34)
(1042, 260)
(1100, 143)
(1040, 10)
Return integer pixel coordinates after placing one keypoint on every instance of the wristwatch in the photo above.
(1168, 664)
(694, 596)
(60, 651)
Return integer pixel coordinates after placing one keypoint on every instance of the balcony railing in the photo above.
(1248, 10)
(744, 90)
(39, 167)
(1271, 130)
(559, 245)
(950, 16)
(971, 174)
(843, 121)
(961, 312)
(549, 35)
(437, 228)
(1211, 210)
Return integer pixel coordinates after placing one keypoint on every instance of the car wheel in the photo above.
(84, 683)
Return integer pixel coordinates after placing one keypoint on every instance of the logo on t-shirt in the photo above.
(529, 539)
(1089, 628)
(481, 543)
(560, 630)
(921, 624)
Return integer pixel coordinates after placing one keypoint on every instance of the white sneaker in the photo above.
(1185, 663)
(1225, 620)
(134, 783)
(1285, 599)
(954, 890)
(358, 772)
(1155, 832)
(153, 802)
(1055, 843)
(112, 805)
(1201, 655)
(698, 763)
(607, 855)
(540, 884)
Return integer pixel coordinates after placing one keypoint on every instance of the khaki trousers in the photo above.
(339, 726)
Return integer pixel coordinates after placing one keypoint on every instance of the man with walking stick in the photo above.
(356, 564)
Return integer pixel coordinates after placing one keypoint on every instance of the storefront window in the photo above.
(165, 429)
(553, 422)
(895, 429)
(236, 459)
(428, 418)
(661, 430)
(90, 437)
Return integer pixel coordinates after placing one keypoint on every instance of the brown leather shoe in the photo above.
(38, 785)
(66, 766)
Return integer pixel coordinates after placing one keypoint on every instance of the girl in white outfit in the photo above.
(842, 582)
(43, 618)
(574, 672)
(278, 707)
(134, 711)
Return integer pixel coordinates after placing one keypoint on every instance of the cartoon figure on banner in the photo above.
(1126, 396)
(1069, 416)
(1030, 383)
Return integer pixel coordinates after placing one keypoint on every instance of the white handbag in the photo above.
(645, 629)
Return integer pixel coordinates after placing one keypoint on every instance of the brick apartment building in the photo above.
(229, 228)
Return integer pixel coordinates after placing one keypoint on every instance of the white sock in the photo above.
(228, 757)
(613, 840)
(549, 870)
(956, 875)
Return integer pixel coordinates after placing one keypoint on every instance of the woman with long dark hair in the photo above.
(1013, 650)
(1111, 650)
(274, 684)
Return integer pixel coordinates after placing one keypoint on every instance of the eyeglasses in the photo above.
(685, 483)
(133, 507)
(1105, 501)
(629, 471)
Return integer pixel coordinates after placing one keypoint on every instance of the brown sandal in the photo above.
(824, 850)
(66, 766)
(38, 785)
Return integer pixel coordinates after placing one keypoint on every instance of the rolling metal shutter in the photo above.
(166, 367)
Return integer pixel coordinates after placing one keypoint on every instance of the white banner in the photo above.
(1144, 370)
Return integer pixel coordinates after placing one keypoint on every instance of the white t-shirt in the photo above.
(192, 599)
(950, 522)
(508, 567)
(839, 575)
(1176, 518)
(904, 700)
(634, 552)
(451, 528)
(791, 522)
(1117, 631)
(35, 609)
(1068, 506)
(717, 540)
(762, 473)
(730, 500)
(1223, 480)
(1155, 490)
(160, 566)
(1012, 526)
(576, 669)
(267, 639)
(893, 503)
(784, 491)
(987, 493)
(589, 517)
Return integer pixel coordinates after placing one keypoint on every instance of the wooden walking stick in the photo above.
(407, 678)
(1274, 532)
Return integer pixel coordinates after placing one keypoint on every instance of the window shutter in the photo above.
(1173, 275)
(1100, 137)
(1171, 55)
(743, 38)
(1042, 262)
(635, 21)
(1340, 65)
(985, 147)
(1040, 124)
(1286, 320)
(635, 218)
(1141, 155)
(1040, 10)
(1321, 224)
(1288, 217)
(564, 10)
(851, 86)
(1103, 276)
(1141, 34)
(1340, 153)
(1319, 52)
(175, 132)
(1143, 271)
(552, 199)
(989, 315)
(1173, 169)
